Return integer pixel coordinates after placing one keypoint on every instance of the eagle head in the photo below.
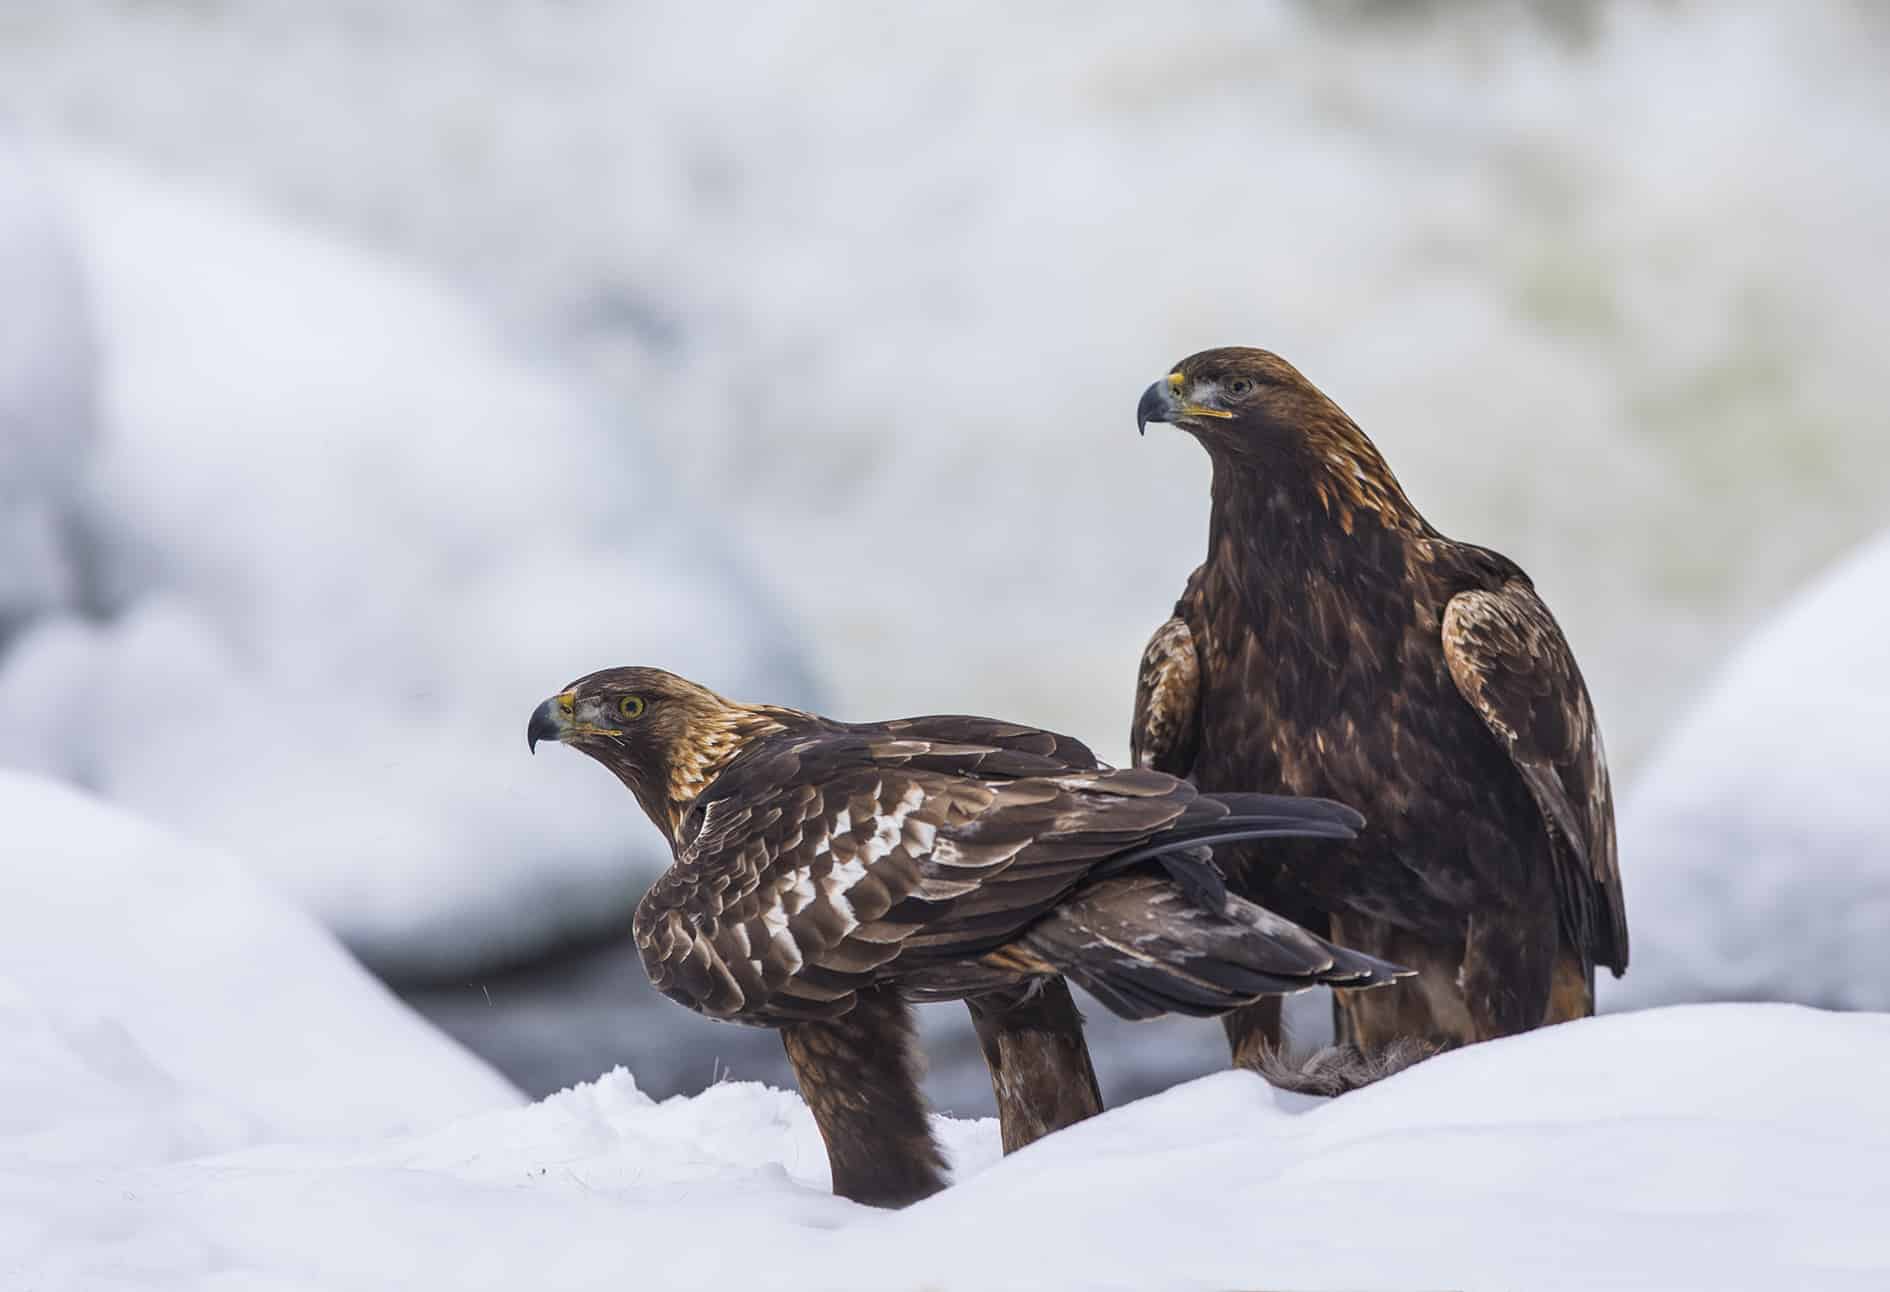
(1236, 397)
(1252, 410)
(663, 736)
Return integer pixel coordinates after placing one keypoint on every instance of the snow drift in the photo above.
(199, 1090)
(1756, 846)
(158, 1003)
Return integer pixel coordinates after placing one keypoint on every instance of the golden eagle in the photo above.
(826, 873)
(1333, 643)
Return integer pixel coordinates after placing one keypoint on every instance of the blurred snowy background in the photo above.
(369, 370)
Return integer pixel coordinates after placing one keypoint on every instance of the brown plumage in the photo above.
(1333, 643)
(825, 873)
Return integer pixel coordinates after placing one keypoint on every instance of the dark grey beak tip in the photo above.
(543, 726)
(1154, 407)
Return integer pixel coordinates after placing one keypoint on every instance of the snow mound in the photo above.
(343, 542)
(157, 1003)
(198, 1089)
(1756, 848)
(1643, 1150)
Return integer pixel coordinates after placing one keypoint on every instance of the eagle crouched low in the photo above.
(827, 873)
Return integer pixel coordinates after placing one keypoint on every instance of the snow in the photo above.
(342, 540)
(1755, 846)
(200, 1090)
(158, 1003)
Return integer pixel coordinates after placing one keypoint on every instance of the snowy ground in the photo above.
(198, 1090)
(159, 1002)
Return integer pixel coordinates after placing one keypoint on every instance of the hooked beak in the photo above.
(1162, 402)
(551, 720)
(1157, 405)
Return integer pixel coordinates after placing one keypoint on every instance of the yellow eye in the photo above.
(631, 706)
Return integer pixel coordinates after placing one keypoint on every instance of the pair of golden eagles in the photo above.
(1332, 644)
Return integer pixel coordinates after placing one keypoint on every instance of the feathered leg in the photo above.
(1508, 969)
(859, 1075)
(1430, 1007)
(1571, 990)
(1253, 1032)
(1040, 1068)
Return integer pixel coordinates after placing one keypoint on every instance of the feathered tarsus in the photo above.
(826, 873)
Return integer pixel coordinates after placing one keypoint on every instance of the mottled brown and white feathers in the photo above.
(824, 861)
(949, 855)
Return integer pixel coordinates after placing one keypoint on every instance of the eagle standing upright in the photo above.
(825, 873)
(1333, 643)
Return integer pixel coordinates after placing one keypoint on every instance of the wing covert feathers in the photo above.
(825, 863)
(1167, 698)
(1511, 663)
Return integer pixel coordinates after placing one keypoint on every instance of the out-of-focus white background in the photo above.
(368, 370)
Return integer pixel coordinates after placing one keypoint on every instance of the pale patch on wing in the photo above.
(784, 945)
(835, 893)
(798, 892)
(847, 873)
(1167, 692)
(738, 933)
(889, 827)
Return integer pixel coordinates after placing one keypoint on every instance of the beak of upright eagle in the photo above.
(552, 720)
(1168, 400)
(557, 719)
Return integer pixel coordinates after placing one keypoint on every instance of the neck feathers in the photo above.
(713, 741)
(1322, 480)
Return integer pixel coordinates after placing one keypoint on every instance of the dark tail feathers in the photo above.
(1185, 849)
(1143, 946)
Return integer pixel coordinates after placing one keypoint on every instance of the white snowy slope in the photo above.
(1756, 845)
(157, 1003)
(199, 1090)
(341, 541)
